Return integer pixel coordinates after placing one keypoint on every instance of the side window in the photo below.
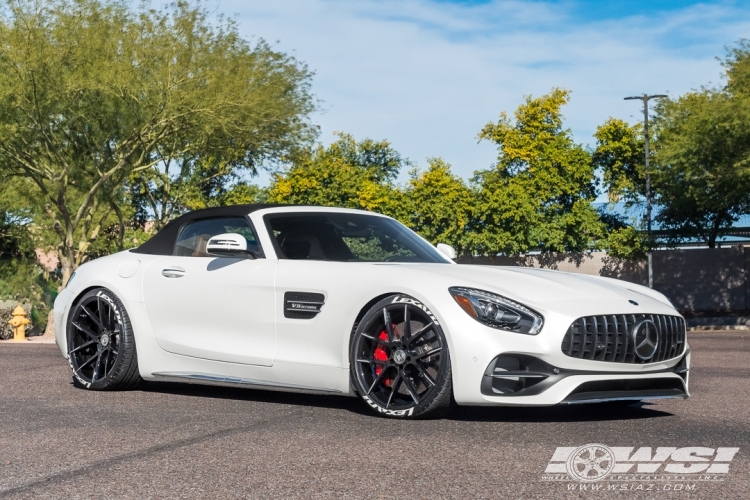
(310, 237)
(192, 240)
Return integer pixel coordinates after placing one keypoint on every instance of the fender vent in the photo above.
(302, 305)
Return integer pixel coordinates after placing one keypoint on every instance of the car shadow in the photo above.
(562, 413)
(352, 404)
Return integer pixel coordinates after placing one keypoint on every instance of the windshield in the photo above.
(345, 237)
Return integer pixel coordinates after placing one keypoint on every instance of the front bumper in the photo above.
(518, 375)
(555, 378)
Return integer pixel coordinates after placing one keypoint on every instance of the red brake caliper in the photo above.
(381, 355)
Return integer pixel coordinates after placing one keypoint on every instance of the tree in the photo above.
(346, 174)
(21, 279)
(540, 192)
(619, 155)
(442, 205)
(95, 96)
(700, 168)
(702, 174)
(737, 66)
(16, 241)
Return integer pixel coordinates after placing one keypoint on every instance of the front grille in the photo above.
(608, 338)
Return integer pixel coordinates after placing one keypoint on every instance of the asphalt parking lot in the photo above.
(184, 441)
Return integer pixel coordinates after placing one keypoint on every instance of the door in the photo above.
(217, 308)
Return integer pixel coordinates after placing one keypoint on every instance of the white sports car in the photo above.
(338, 301)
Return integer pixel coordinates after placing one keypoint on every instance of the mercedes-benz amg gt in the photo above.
(339, 301)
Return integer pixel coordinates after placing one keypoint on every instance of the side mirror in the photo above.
(446, 250)
(228, 245)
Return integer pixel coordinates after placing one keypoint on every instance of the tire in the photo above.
(101, 344)
(401, 368)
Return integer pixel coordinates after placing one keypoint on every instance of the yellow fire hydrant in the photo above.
(19, 322)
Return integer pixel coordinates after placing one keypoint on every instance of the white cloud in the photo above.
(427, 76)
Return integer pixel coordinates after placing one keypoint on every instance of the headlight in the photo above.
(497, 311)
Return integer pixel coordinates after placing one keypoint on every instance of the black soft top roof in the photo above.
(162, 243)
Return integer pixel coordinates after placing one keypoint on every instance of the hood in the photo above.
(543, 286)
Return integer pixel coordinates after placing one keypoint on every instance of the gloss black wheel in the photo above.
(101, 346)
(399, 360)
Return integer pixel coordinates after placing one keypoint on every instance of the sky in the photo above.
(427, 75)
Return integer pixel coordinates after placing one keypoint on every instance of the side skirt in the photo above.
(219, 380)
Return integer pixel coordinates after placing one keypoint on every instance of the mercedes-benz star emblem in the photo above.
(104, 340)
(645, 339)
(591, 462)
(399, 357)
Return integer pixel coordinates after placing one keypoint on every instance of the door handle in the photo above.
(173, 273)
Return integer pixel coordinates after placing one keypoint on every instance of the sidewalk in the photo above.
(718, 323)
(39, 339)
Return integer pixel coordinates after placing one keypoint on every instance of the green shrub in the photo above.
(23, 281)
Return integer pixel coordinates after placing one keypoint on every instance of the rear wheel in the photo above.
(399, 360)
(101, 346)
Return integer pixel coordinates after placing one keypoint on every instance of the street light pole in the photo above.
(645, 98)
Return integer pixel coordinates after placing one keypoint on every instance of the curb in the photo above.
(716, 328)
(31, 340)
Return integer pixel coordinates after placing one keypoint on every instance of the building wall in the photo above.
(695, 280)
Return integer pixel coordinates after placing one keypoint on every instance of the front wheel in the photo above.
(101, 345)
(399, 360)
